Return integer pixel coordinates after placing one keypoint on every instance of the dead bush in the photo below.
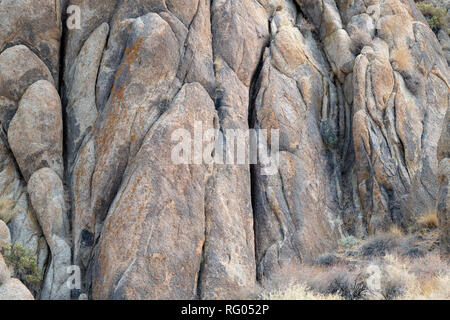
(339, 280)
(379, 245)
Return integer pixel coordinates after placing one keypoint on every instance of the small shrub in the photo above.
(379, 245)
(329, 134)
(412, 247)
(24, 265)
(349, 242)
(340, 281)
(415, 252)
(435, 15)
(390, 277)
(328, 260)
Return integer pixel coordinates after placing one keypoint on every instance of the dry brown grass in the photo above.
(428, 221)
(298, 292)
(426, 278)
(396, 231)
(6, 209)
(402, 58)
(392, 277)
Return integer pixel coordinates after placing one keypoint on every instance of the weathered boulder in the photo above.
(36, 23)
(229, 268)
(46, 193)
(14, 289)
(300, 199)
(5, 235)
(5, 274)
(141, 93)
(19, 68)
(94, 13)
(400, 97)
(81, 108)
(158, 252)
(15, 210)
(35, 133)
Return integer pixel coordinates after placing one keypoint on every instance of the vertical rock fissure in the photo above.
(254, 88)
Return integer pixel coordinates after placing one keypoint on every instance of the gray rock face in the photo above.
(5, 235)
(353, 118)
(81, 107)
(229, 267)
(4, 271)
(356, 92)
(159, 254)
(20, 68)
(443, 199)
(35, 132)
(15, 209)
(30, 114)
(47, 198)
(13, 289)
(301, 199)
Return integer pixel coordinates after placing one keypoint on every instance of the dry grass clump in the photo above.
(315, 282)
(6, 209)
(396, 231)
(426, 278)
(328, 260)
(298, 292)
(379, 245)
(402, 58)
(391, 277)
(429, 221)
(339, 280)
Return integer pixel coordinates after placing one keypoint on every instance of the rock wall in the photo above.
(358, 91)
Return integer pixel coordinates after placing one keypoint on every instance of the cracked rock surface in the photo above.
(358, 91)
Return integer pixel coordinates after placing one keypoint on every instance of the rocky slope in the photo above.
(358, 91)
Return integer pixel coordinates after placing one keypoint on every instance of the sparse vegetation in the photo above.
(23, 264)
(390, 266)
(349, 283)
(329, 134)
(436, 14)
(298, 292)
(398, 278)
(349, 242)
